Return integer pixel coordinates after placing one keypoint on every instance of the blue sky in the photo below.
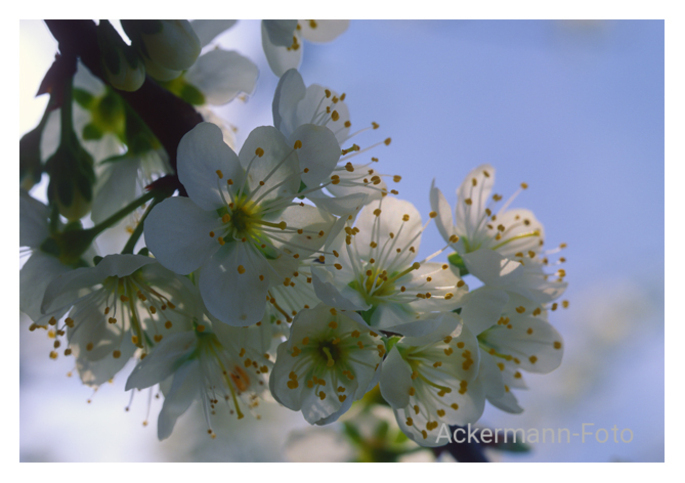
(576, 110)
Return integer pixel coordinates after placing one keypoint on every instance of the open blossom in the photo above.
(479, 223)
(217, 365)
(374, 269)
(124, 303)
(428, 377)
(282, 39)
(350, 184)
(218, 75)
(328, 362)
(509, 315)
(517, 342)
(240, 224)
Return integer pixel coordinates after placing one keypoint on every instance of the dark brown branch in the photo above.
(167, 116)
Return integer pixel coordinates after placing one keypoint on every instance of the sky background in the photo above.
(573, 108)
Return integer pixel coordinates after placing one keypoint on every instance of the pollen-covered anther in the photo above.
(524, 186)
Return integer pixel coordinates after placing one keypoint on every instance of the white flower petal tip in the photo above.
(329, 361)
(430, 380)
(209, 364)
(125, 303)
(374, 268)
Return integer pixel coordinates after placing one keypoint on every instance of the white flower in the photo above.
(123, 303)
(239, 225)
(516, 343)
(282, 39)
(428, 378)
(374, 269)
(509, 316)
(328, 362)
(40, 268)
(477, 225)
(219, 366)
(351, 185)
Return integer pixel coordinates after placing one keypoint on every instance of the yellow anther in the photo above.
(226, 218)
(474, 182)
(259, 152)
(405, 217)
(557, 345)
(221, 240)
(328, 93)
(524, 186)
(89, 346)
(335, 116)
(347, 124)
(241, 269)
(168, 324)
(219, 174)
(533, 359)
(116, 354)
(461, 283)
(520, 309)
(298, 144)
(468, 201)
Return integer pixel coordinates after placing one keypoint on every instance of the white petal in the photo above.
(95, 373)
(468, 217)
(483, 308)
(522, 223)
(323, 30)
(278, 168)
(491, 268)
(177, 233)
(535, 343)
(395, 379)
(162, 362)
(221, 75)
(289, 92)
(184, 389)
(35, 276)
(67, 288)
(208, 30)
(201, 153)
(33, 221)
(116, 187)
(319, 153)
(329, 291)
(280, 58)
(444, 221)
(391, 220)
(280, 32)
(233, 297)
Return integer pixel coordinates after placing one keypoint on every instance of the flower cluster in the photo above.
(285, 269)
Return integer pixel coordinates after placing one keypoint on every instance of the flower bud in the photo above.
(165, 45)
(71, 180)
(123, 68)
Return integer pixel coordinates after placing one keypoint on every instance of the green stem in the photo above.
(66, 121)
(119, 215)
(133, 239)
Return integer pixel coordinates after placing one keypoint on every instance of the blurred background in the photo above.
(573, 108)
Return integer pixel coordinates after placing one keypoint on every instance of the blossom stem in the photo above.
(133, 239)
(119, 215)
